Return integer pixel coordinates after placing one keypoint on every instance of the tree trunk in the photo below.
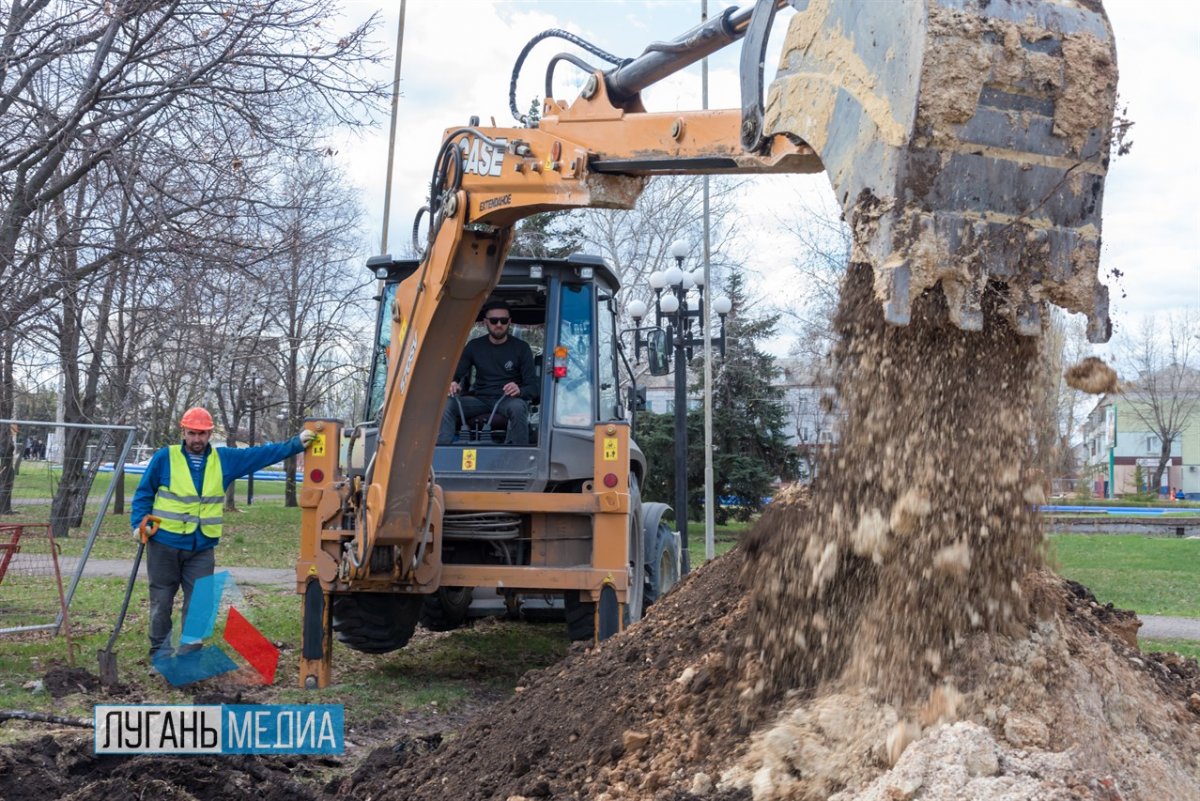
(230, 496)
(7, 468)
(289, 484)
(1164, 460)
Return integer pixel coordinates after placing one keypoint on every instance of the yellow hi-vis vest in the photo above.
(183, 511)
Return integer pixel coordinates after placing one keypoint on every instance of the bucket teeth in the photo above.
(897, 303)
(967, 141)
(1099, 325)
(1028, 316)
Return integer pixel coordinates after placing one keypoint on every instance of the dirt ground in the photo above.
(1067, 709)
(877, 638)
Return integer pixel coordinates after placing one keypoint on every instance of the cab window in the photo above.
(383, 337)
(573, 397)
(606, 363)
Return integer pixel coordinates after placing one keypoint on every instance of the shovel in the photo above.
(108, 660)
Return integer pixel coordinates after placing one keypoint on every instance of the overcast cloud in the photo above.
(458, 58)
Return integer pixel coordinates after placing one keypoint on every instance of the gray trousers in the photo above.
(168, 569)
(515, 410)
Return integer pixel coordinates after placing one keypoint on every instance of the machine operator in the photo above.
(504, 372)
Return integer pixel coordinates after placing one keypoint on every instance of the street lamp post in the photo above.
(679, 310)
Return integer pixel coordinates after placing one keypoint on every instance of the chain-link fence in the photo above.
(31, 583)
(57, 482)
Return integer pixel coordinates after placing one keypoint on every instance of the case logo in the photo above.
(480, 158)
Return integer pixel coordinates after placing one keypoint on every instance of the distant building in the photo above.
(1116, 442)
(807, 426)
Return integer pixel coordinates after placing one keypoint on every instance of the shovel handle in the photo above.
(148, 527)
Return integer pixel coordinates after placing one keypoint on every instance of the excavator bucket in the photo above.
(967, 141)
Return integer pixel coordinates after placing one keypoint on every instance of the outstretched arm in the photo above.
(240, 462)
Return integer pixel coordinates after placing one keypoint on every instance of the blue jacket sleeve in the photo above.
(240, 462)
(143, 496)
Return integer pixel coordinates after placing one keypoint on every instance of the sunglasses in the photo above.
(497, 320)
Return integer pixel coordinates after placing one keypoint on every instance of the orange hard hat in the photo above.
(197, 418)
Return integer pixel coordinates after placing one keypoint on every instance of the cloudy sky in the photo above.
(458, 57)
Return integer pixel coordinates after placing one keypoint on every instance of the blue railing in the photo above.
(261, 475)
(1122, 510)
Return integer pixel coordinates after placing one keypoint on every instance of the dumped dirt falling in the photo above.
(922, 524)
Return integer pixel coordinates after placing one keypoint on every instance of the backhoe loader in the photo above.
(967, 142)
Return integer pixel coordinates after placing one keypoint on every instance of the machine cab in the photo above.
(564, 310)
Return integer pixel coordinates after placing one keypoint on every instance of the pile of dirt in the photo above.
(1065, 708)
(65, 767)
(893, 636)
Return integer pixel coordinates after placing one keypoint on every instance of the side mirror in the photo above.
(657, 354)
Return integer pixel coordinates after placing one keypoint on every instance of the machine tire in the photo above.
(580, 616)
(662, 571)
(375, 622)
(446, 609)
(636, 602)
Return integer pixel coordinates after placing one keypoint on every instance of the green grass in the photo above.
(38, 480)
(1150, 575)
(724, 538)
(1185, 647)
(266, 534)
(433, 674)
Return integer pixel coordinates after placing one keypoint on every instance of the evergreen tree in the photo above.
(750, 442)
(549, 235)
(656, 437)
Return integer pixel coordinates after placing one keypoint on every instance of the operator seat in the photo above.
(486, 426)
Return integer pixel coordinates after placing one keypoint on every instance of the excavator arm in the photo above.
(967, 143)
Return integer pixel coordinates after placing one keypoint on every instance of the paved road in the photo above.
(119, 568)
(1156, 627)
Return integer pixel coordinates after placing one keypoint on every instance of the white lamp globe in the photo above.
(698, 277)
(657, 279)
(679, 250)
(670, 304)
(637, 309)
(689, 280)
(674, 276)
(722, 305)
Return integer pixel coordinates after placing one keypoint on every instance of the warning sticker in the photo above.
(468, 460)
(610, 449)
(318, 445)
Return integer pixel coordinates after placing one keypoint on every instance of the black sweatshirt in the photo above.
(496, 365)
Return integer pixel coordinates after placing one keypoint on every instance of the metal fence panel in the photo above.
(58, 490)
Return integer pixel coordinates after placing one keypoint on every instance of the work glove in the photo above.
(307, 436)
(137, 534)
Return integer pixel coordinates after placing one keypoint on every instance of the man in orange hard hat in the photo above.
(184, 487)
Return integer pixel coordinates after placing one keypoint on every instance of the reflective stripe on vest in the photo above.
(183, 511)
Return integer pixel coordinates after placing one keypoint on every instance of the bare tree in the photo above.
(1057, 404)
(1166, 388)
(76, 86)
(157, 104)
(312, 288)
(822, 243)
(638, 242)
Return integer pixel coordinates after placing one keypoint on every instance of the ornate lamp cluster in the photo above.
(675, 304)
(678, 307)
